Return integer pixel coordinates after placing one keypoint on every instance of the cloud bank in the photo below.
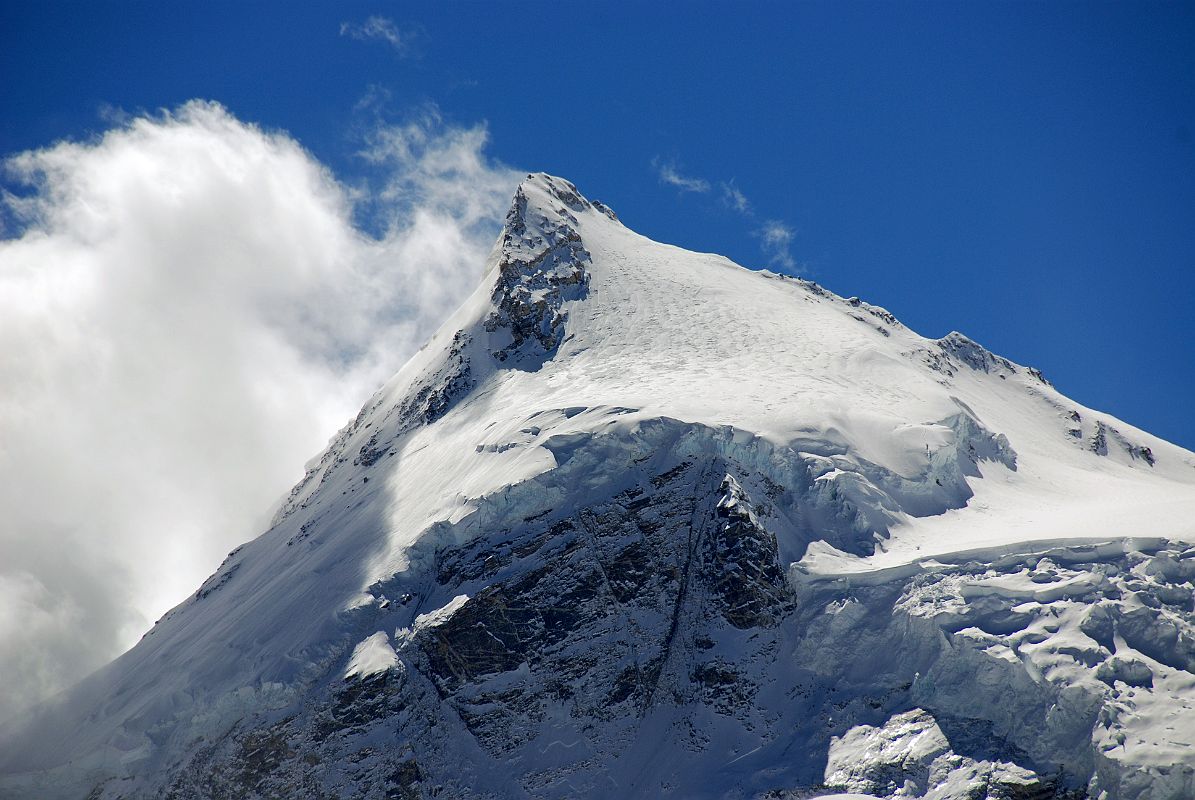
(187, 312)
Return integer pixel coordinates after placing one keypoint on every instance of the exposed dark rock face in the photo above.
(963, 350)
(595, 612)
(652, 598)
(542, 263)
(1106, 435)
(742, 567)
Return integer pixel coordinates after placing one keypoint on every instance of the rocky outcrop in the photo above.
(910, 756)
(541, 264)
(742, 566)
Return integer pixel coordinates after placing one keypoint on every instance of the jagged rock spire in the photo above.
(542, 262)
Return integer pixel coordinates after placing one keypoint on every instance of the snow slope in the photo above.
(640, 522)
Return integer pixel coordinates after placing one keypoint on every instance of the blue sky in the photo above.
(1024, 173)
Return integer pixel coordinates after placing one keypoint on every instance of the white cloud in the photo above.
(734, 198)
(669, 175)
(382, 29)
(776, 240)
(186, 316)
(775, 236)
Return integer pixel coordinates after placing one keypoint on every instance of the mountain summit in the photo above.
(639, 522)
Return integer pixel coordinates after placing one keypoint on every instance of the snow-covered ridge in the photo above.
(638, 520)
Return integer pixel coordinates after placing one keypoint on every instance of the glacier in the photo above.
(640, 522)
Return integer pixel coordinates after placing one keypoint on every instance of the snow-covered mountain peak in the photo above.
(550, 195)
(541, 263)
(543, 213)
(638, 521)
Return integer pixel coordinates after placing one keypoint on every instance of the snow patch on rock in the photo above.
(371, 656)
(909, 756)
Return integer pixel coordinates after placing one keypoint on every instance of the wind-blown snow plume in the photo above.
(186, 314)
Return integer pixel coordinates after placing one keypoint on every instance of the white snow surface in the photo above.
(909, 756)
(659, 346)
(431, 619)
(373, 655)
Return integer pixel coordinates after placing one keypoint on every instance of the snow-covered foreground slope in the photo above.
(639, 522)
